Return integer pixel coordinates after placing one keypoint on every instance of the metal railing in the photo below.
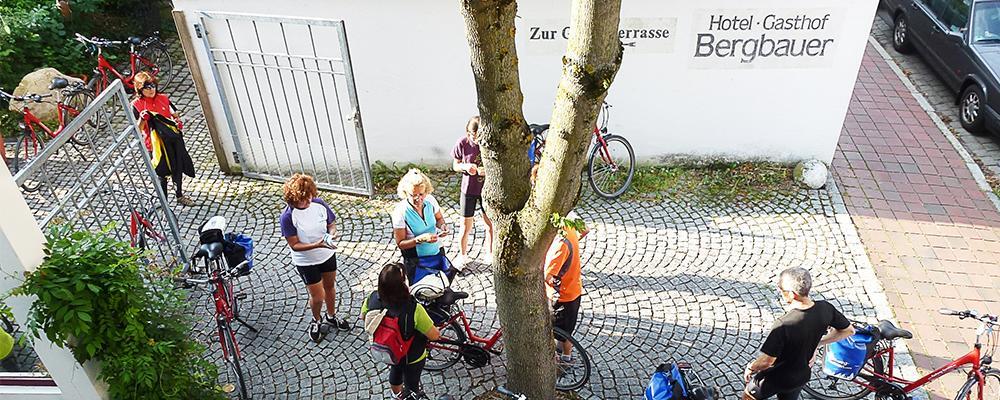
(107, 180)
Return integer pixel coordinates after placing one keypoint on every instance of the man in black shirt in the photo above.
(783, 366)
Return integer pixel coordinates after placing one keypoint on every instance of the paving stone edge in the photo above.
(871, 282)
(970, 163)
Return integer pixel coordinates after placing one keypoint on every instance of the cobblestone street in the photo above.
(674, 280)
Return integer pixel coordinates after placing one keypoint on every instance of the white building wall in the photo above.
(415, 87)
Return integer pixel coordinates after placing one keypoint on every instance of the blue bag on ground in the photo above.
(845, 358)
(667, 383)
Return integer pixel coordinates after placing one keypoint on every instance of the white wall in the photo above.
(415, 87)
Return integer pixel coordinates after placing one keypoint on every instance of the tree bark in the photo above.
(521, 214)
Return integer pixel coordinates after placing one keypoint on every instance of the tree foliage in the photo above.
(93, 295)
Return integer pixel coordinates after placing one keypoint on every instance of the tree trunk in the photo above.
(521, 215)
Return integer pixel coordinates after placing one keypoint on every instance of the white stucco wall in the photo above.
(415, 87)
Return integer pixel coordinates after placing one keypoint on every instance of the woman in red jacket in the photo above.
(159, 122)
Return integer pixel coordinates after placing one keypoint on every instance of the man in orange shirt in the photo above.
(563, 283)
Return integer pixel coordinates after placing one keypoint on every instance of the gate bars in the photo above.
(109, 180)
(289, 98)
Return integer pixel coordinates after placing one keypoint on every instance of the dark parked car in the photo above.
(960, 39)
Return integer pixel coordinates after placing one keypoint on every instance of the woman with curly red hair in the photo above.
(309, 226)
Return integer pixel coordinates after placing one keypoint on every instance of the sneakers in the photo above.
(459, 262)
(488, 258)
(314, 331)
(186, 201)
(332, 322)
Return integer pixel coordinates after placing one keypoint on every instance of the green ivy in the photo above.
(93, 296)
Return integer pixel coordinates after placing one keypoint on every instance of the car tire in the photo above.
(972, 109)
(901, 34)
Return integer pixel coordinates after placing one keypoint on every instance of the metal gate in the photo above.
(106, 181)
(289, 98)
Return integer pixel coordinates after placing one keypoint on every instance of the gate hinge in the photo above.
(198, 30)
(236, 157)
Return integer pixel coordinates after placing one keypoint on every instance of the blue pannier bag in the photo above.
(238, 249)
(667, 383)
(427, 265)
(845, 358)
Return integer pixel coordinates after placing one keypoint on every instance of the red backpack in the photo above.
(386, 332)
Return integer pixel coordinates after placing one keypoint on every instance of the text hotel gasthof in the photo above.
(765, 39)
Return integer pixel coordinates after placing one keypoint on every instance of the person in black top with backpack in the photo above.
(396, 321)
(783, 366)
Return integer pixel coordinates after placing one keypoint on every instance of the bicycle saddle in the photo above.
(59, 83)
(135, 40)
(210, 250)
(537, 129)
(450, 297)
(890, 331)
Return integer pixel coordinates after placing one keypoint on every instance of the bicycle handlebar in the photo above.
(37, 98)
(991, 319)
(96, 41)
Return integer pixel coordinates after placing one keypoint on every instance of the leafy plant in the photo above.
(716, 181)
(93, 296)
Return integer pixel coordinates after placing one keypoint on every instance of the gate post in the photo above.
(21, 245)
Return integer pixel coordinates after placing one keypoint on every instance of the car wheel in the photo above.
(972, 109)
(901, 34)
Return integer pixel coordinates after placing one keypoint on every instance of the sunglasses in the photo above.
(149, 86)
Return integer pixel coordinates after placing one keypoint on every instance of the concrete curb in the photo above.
(970, 163)
(904, 362)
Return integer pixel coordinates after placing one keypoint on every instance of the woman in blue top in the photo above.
(417, 223)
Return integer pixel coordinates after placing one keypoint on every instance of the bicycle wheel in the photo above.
(88, 131)
(155, 59)
(610, 173)
(991, 387)
(573, 374)
(823, 387)
(98, 82)
(25, 149)
(441, 355)
(232, 360)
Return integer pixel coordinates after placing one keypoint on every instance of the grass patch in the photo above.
(385, 177)
(745, 181)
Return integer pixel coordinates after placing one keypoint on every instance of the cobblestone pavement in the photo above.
(984, 148)
(931, 232)
(683, 280)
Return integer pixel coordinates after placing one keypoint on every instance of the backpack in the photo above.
(667, 383)
(845, 358)
(388, 332)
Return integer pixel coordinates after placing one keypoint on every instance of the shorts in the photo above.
(312, 274)
(565, 315)
(467, 203)
(761, 388)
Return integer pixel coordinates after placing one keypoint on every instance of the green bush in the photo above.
(93, 296)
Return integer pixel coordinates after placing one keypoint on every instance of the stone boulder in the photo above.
(38, 83)
(811, 174)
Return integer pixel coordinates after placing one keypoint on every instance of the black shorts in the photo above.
(761, 388)
(565, 315)
(312, 274)
(467, 203)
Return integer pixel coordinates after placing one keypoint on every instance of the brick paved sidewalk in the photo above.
(930, 231)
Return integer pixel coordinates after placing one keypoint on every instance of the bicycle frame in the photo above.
(488, 343)
(103, 66)
(972, 357)
(222, 294)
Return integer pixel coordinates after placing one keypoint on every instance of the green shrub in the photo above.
(93, 296)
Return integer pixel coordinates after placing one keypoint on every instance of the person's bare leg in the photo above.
(467, 224)
(330, 292)
(315, 299)
(489, 234)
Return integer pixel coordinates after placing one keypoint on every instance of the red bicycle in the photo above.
(611, 164)
(879, 375)
(144, 55)
(34, 133)
(220, 276)
(458, 341)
